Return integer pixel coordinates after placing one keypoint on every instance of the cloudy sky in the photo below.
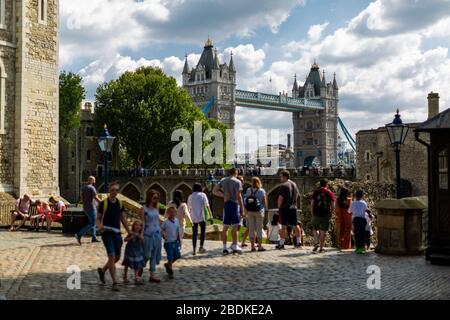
(386, 53)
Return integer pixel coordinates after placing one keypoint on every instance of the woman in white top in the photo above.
(182, 211)
(198, 203)
(255, 205)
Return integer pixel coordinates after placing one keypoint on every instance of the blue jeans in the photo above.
(92, 216)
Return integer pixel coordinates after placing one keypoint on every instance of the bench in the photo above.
(31, 212)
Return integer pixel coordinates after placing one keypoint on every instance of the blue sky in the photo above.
(386, 53)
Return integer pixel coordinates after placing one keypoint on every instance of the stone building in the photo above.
(82, 155)
(316, 132)
(29, 97)
(375, 157)
(213, 83)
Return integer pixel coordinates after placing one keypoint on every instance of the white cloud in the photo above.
(315, 31)
(90, 28)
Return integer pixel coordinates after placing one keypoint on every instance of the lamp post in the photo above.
(397, 132)
(210, 183)
(106, 142)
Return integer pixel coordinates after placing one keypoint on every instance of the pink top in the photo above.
(24, 206)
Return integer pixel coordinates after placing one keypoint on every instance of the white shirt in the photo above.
(197, 203)
(358, 209)
(171, 230)
(369, 224)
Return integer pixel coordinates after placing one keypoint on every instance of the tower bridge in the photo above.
(314, 105)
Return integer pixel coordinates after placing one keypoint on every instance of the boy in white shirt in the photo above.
(171, 232)
(359, 209)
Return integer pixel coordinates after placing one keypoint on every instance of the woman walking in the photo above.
(344, 220)
(198, 204)
(152, 233)
(255, 204)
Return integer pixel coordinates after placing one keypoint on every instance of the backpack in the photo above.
(321, 204)
(105, 205)
(252, 203)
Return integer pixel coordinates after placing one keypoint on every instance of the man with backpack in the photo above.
(287, 205)
(111, 213)
(322, 207)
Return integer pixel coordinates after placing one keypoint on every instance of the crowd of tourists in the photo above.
(242, 209)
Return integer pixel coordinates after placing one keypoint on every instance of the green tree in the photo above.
(71, 94)
(142, 109)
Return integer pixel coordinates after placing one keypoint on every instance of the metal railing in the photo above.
(259, 172)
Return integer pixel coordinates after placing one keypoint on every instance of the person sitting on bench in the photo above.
(23, 206)
(55, 215)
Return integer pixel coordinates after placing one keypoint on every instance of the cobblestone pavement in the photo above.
(34, 266)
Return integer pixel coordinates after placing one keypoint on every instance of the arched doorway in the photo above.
(162, 192)
(187, 191)
(132, 192)
(312, 162)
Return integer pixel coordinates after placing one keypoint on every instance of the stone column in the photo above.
(400, 226)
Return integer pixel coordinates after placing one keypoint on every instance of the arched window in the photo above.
(42, 11)
(2, 97)
(2, 15)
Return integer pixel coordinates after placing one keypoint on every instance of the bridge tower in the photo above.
(213, 82)
(316, 131)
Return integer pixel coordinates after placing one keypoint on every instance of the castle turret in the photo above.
(295, 87)
(211, 81)
(232, 68)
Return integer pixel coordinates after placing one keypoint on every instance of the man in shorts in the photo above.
(230, 189)
(322, 207)
(287, 206)
(21, 212)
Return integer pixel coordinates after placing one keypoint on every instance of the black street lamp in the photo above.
(397, 132)
(106, 142)
(210, 183)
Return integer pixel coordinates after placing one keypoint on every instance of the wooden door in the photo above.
(442, 189)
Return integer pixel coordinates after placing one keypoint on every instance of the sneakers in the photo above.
(360, 251)
(95, 241)
(236, 250)
(280, 247)
(202, 250)
(101, 275)
(298, 246)
(226, 252)
(316, 247)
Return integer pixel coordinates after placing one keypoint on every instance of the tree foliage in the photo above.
(71, 94)
(142, 109)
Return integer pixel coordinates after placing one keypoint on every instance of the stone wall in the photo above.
(36, 119)
(376, 159)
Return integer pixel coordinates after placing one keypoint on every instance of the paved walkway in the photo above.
(34, 266)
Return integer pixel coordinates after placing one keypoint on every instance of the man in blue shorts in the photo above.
(230, 189)
(111, 213)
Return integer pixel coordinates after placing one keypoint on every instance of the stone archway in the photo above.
(183, 187)
(132, 192)
(163, 196)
